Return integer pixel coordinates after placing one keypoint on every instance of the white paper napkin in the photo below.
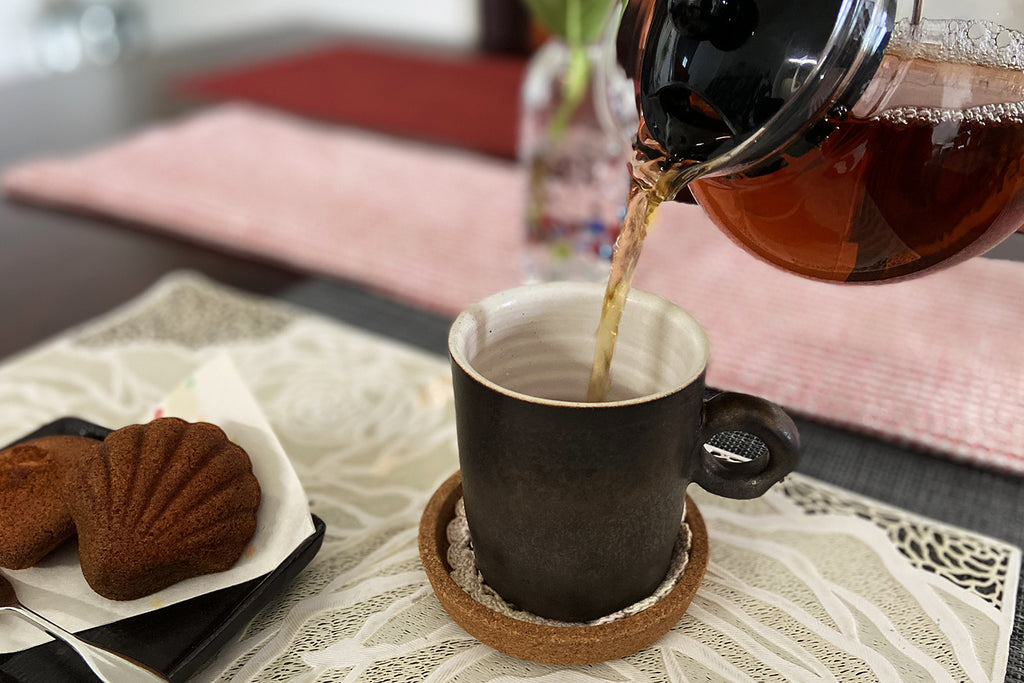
(214, 393)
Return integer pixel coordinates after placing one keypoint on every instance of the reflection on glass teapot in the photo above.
(844, 140)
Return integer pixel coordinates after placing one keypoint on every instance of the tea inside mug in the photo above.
(538, 341)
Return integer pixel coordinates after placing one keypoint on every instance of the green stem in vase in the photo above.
(574, 89)
(578, 23)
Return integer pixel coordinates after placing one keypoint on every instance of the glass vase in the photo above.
(577, 117)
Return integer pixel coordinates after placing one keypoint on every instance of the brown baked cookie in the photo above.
(159, 503)
(33, 517)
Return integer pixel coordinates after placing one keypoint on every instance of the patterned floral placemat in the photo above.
(809, 582)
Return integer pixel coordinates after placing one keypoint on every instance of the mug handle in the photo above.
(733, 412)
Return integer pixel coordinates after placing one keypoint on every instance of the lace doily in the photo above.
(807, 583)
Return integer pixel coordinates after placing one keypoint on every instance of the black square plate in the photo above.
(177, 640)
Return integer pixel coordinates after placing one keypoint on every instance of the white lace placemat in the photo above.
(809, 582)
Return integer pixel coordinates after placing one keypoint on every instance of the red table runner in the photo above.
(465, 100)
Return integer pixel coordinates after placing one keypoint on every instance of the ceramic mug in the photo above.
(574, 507)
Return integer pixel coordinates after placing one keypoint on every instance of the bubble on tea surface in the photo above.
(997, 52)
(984, 43)
(1009, 113)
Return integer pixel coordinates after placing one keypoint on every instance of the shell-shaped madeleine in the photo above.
(159, 503)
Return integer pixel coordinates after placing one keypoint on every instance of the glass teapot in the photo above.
(843, 140)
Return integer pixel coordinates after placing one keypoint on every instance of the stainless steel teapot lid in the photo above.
(731, 82)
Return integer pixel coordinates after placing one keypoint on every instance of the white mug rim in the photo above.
(467, 321)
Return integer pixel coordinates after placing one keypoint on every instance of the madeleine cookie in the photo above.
(33, 516)
(159, 503)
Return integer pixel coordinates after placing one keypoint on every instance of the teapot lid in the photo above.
(730, 82)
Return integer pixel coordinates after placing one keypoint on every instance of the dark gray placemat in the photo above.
(928, 484)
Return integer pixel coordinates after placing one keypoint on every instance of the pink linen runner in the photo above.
(934, 362)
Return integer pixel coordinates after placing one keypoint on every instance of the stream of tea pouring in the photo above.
(647, 191)
(654, 181)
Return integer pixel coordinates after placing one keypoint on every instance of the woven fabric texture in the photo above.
(933, 362)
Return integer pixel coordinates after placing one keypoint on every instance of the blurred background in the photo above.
(46, 36)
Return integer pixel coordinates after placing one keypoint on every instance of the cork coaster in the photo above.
(553, 644)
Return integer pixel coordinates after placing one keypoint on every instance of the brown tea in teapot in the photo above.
(887, 197)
